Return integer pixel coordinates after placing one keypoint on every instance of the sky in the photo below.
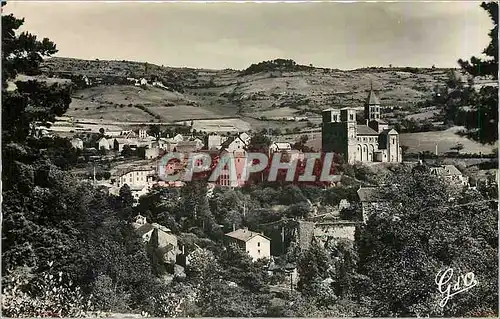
(235, 35)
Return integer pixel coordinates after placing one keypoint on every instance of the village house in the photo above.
(104, 143)
(187, 147)
(152, 153)
(255, 244)
(280, 147)
(119, 143)
(165, 241)
(235, 143)
(371, 201)
(199, 143)
(451, 174)
(143, 134)
(178, 138)
(285, 148)
(137, 177)
(214, 142)
(77, 143)
(164, 144)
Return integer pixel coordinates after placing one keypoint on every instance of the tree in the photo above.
(259, 143)
(313, 266)
(101, 131)
(427, 226)
(154, 130)
(483, 126)
(31, 101)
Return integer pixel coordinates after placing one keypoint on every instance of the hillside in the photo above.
(263, 91)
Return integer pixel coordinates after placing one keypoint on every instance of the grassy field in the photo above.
(314, 89)
(279, 112)
(426, 141)
(182, 112)
(428, 115)
(215, 93)
(221, 125)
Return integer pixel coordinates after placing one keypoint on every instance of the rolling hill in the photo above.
(265, 91)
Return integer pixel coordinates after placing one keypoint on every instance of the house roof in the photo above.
(366, 130)
(124, 171)
(369, 194)
(127, 141)
(446, 170)
(372, 98)
(389, 131)
(379, 121)
(244, 234)
(187, 146)
(282, 145)
(144, 229)
(230, 140)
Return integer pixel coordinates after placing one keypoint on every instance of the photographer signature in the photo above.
(446, 287)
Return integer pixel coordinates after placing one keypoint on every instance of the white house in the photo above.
(451, 174)
(104, 143)
(167, 243)
(178, 138)
(143, 134)
(120, 142)
(152, 153)
(245, 138)
(255, 244)
(77, 143)
(215, 141)
(280, 147)
(199, 143)
(137, 177)
(234, 143)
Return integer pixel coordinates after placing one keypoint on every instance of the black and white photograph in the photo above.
(177, 159)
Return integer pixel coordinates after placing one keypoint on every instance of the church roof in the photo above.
(365, 130)
(372, 98)
(389, 132)
(379, 121)
(370, 194)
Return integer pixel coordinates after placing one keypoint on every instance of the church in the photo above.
(373, 141)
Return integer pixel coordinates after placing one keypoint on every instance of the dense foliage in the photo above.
(283, 65)
(480, 115)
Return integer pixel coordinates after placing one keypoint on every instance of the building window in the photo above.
(351, 117)
(130, 179)
(258, 244)
(335, 117)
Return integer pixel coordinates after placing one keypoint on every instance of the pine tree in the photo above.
(482, 122)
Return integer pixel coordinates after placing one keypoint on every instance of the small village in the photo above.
(232, 181)
(133, 159)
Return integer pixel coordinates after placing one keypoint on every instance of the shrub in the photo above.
(44, 295)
